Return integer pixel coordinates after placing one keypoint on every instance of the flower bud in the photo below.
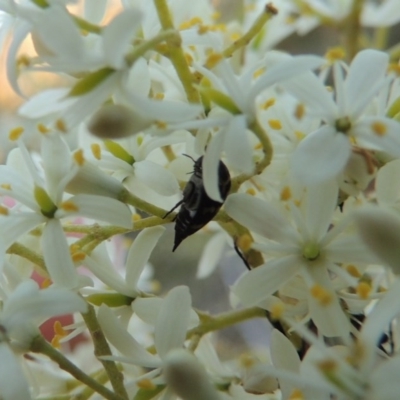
(187, 377)
(115, 121)
(380, 230)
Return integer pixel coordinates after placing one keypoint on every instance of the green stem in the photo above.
(141, 49)
(86, 25)
(261, 165)
(40, 345)
(103, 349)
(177, 56)
(28, 254)
(352, 30)
(268, 13)
(224, 320)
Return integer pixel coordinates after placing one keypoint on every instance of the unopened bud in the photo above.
(380, 230)
(187, 377)
(115, 121)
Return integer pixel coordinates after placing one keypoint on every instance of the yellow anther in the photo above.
(61, 125)
(257, 73)
(78, 257)
(216, 15)
(146, 384)
(79, 157)
(202, 29)
(363, 290)
(286, 194)
(244, 242)
(161, 124)
(327, 366)
(46, 283)
(189, 58)
(246, 360)
(59, 330)
(43, 129)
(6, 186)
(251, 191)
(268, 103)
(258, 146)
(394, 67)
(299, 135)
(296, 395)
(4, 210)
(353, 271)
(335, 54)
(277, 311)
(275, 124)
(300, 111)
(96, 150)
(321, 294)
(213, 59)
(16, 133)
(55, 342)
(136, 217)
(23, 61)
(159, 96)
(235, 36)
(379, 128)
(69, 206)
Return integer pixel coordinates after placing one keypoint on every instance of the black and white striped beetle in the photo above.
(197, 209)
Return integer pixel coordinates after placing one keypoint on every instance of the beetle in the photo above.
(197, 208)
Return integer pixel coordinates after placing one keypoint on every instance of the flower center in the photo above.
(343, 124)
(311, 251)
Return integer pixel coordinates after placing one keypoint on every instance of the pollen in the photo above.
(6, 186)
(146, 384)
(268, 103)
(96, 150)
(363, 290)
(79, 157)
(286, 194)
(213, 59)
(296, 395)
(300, 111)
(69, 206)
(244, 242)
(16, 133)
(251, 191)
(78, 257)
(379, 128)
(61, 125)
(277, 311)
(353, 271)
(323, 296)
(43, 129)
(4, 210)
(335, 54)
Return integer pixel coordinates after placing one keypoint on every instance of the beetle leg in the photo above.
(172, 209)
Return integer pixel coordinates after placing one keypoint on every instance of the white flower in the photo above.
(299, 242)
(325, 152)
(23, 310)
(42, 201)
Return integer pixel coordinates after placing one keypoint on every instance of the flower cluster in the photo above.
(293, 159)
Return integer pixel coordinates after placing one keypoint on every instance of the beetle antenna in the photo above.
(187, 155)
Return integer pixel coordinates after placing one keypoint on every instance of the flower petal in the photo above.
(261, 282)
(211, 255)
(139, 253)
(320, 156)
(173, 320)
(57, 256)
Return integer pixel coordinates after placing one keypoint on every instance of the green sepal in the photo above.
(394, 109)
(212, 95)
(89, 82)
(109, 299)
(147, 394)
(41, 3)
(118, 151)
(47, 207)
